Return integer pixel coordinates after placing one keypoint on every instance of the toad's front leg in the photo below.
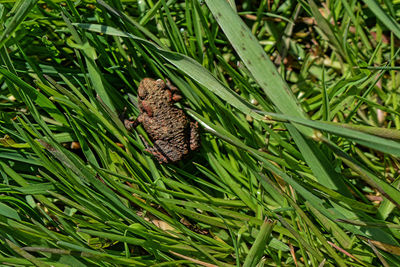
(129, 124)
(175, 93)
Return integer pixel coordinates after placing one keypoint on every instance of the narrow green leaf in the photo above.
(259, 245)
(371, 141)
(94, 73)
(26, 255)
(22, 11)
(8, 212)
(36, 96)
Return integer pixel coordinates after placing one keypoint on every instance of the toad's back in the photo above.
(171, 131)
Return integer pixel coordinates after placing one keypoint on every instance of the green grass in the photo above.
(298, 105)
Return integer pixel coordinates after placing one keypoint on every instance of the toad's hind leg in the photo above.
(194, 136)
(155, 151)
(168, 150)
(158, 154)
(163, 151)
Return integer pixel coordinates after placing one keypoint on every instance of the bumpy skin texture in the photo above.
(171, 131)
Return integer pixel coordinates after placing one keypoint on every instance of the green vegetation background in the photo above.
(298, 102)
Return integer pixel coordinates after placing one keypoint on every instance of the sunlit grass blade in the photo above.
(256, 251)
(372, 141)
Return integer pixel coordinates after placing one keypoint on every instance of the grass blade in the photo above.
(256, 251)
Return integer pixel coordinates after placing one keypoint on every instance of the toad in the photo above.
(173, 134)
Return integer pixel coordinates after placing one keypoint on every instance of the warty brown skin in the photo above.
(169, 128)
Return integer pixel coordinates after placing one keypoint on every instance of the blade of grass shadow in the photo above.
(350, 202)
(7, 62)
(15, 261)
(82, 136)
(387, 207)
(100, 256)
(319, 163)
(216, 210)
(340, 235)
(228, 137)
(8, 212)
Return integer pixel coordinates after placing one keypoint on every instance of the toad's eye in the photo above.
(141, 97)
